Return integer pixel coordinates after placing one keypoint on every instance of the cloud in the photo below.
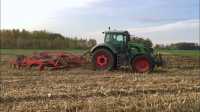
(182, 31)
(187, 30)
(157, 19)
(166, 27)
(30, 13)
(169, 20)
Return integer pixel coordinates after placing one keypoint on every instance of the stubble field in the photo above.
(173, 88)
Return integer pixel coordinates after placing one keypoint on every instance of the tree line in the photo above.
(174, 46)
(179, 46)
(23, 39)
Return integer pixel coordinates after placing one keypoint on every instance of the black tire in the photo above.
(106, 56)
(147, 64)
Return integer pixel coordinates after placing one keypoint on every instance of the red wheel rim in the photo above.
(102, 60)
(142, 65)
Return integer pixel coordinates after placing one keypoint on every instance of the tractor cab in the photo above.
(117, 39)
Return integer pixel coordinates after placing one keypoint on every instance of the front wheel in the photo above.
(103, 59)
(142, 64)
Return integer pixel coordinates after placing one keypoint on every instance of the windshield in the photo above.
(114, 38)
(108, 38)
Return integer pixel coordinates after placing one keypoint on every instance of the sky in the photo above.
(162, 21)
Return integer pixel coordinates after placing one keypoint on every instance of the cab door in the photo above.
(119, 42)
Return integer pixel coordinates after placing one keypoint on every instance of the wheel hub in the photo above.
(102, 60)
(142, 65)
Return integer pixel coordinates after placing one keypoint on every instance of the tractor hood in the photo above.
(139, 47)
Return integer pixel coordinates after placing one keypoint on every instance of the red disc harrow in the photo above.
(52, 60)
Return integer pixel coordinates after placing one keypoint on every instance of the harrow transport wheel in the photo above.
(102, 59)
(142, 64)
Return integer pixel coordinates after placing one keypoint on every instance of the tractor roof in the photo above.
(117, 31)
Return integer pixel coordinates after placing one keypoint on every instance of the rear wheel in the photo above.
(103, 59)
(142, 64)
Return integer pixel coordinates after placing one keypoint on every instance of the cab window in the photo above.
(114, 37)
(118, 37)
(108, 38)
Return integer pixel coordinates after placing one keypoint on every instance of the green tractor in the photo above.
(117, 50)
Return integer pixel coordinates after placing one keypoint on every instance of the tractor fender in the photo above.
(105, 46)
